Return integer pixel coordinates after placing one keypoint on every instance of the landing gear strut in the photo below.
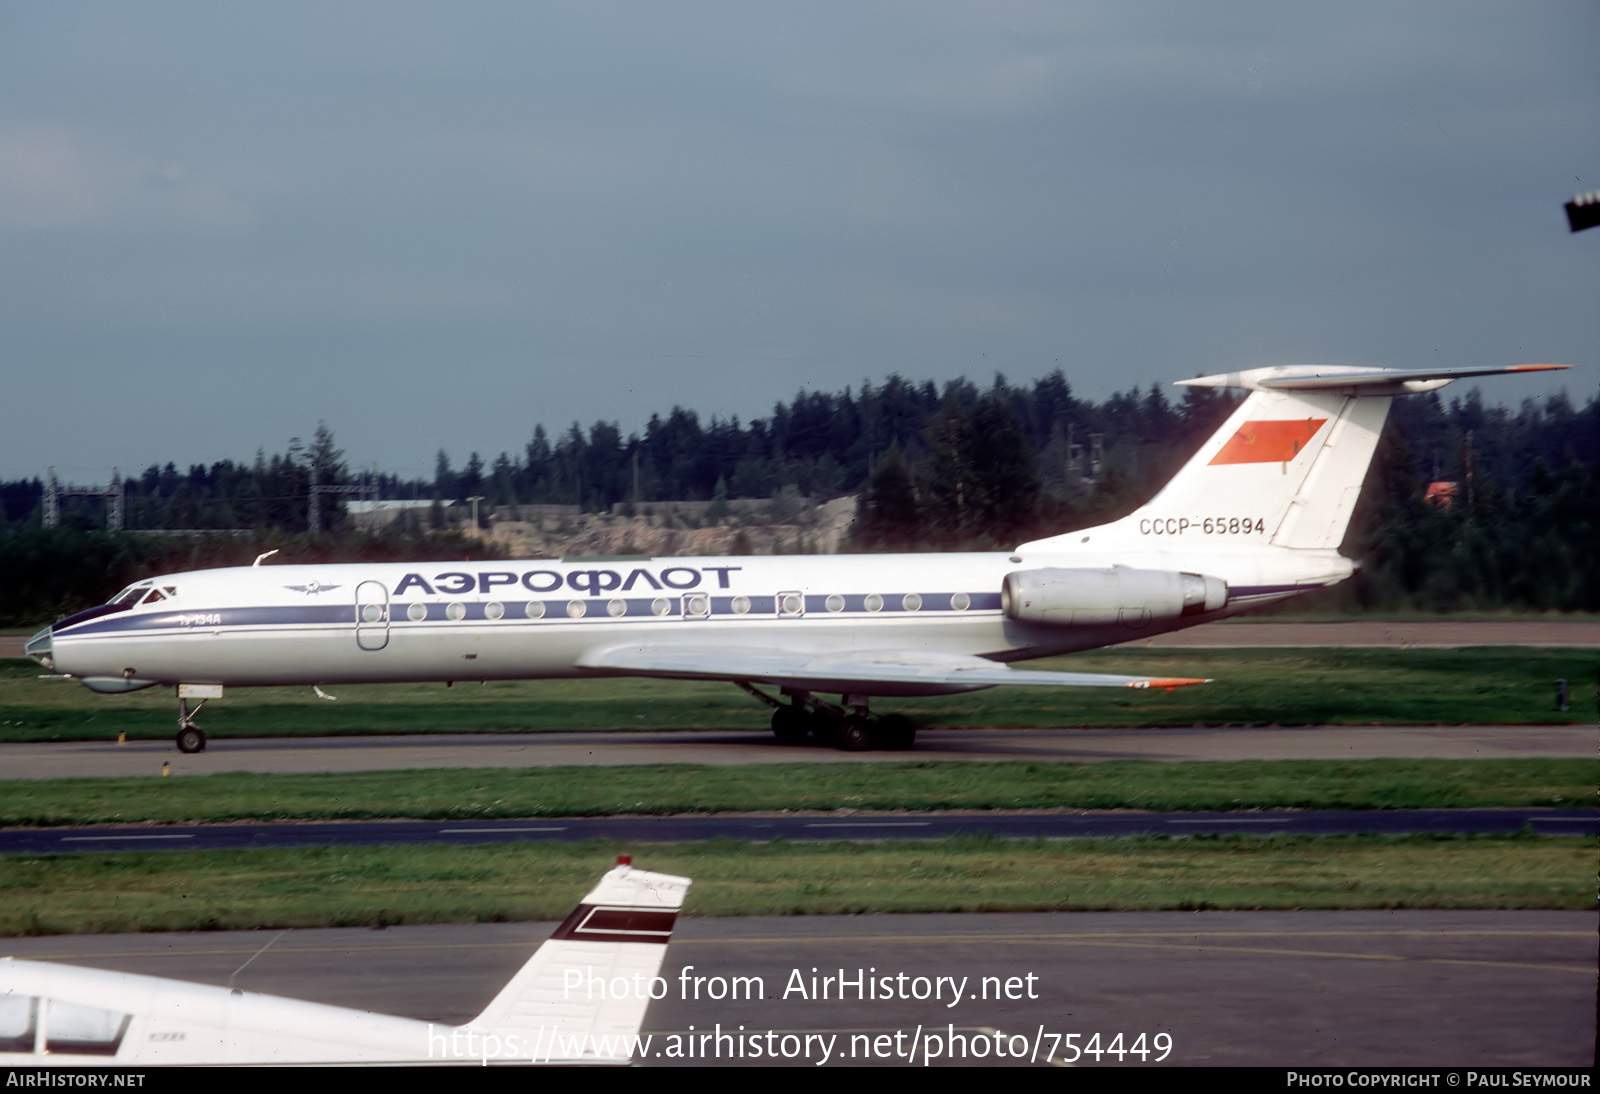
(848, 726)
(190, 736)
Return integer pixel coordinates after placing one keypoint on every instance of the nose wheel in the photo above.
(191, 738)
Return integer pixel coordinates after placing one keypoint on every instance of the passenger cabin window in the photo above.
(84, 1031)
(19, 1022)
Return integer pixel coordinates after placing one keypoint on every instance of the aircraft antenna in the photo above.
(255, 955)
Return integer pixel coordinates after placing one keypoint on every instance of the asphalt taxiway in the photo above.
(302, 755)
(1392, 988)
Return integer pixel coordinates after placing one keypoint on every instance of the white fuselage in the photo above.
(499, 620)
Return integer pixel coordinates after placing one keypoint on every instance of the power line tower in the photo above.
(52, 499)
(364, 489)
(112, 495)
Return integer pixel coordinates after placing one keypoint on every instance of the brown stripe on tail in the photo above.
(616, 923)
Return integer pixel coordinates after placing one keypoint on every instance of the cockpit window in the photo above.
(155, 595)
(130, 596)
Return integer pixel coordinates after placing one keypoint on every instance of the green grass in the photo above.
(350, 886)
(345, 887)
(1292, 612)
(1288, 687)
(688, 788)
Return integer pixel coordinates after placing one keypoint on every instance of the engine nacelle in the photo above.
(1134, 598)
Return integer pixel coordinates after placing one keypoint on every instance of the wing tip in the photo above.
(1170, 683)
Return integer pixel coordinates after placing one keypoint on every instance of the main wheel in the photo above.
(855, 734)
(190, 739)
(896, 731)
(790, 725)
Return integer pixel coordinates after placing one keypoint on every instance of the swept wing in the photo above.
(876, 672)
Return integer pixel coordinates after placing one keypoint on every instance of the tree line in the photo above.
(957, 467)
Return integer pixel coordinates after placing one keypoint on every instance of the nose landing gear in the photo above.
(191, 738)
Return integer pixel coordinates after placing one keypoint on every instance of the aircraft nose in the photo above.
(40, 648)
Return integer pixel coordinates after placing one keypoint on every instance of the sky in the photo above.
(439, 225)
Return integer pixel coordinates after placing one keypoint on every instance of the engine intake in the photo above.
(1134, 598)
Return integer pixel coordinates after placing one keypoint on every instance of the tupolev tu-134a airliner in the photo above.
(1256, 516)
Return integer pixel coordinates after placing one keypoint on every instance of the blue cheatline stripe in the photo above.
(595, 609)
(221, 617)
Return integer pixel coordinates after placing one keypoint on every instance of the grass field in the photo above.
(687, 788)
(333, 887)
(366, 886)
(1289, 687)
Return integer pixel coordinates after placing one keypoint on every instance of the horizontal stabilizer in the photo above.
(1354, 381)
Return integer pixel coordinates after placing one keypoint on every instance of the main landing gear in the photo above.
(848, 726)
(190, 736)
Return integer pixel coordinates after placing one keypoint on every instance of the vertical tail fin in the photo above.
(584, 992)
(1286, 467)
(1285, 470)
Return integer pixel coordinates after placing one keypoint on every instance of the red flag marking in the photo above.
(1274, 441)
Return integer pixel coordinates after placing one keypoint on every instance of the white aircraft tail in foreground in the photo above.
(580, 999)
(1256, 516)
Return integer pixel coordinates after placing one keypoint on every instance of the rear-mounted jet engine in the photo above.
(1081, 598)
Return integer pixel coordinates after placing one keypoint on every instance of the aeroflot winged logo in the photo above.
(312, 588)
(1268, 441)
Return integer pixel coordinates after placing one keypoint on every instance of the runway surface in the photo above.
(1440, 988)
(800, 828)
(73, 759)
